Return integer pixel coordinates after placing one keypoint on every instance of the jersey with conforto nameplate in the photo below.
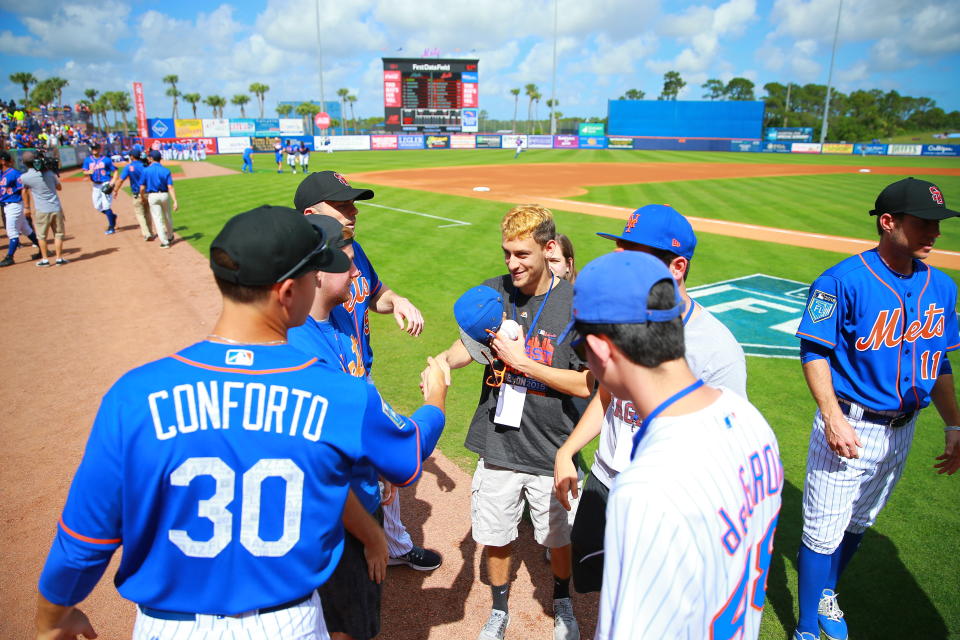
(887, 334)
(223, 471)
(690, 527)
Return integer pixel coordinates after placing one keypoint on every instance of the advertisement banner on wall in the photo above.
(588, 129)
(619, 142)
(215, 127)
(342, 143)
(383, 142)
(488, 142)
(191, 128)
(540, 142)
(828, 147)
(266, 127)
(262, 144)
(510, 141)
(745, 145)
(227, 144)
(291, 126)
(593, 142)
(210, 144)
(462, 141)
(940, 150)
(410, 141)
(905, 149)
(160, 127)
(789, 134)
(870, 149)
(776, 147)
(566, 142)
(805, 147)
(437, 142)
(141, 109)
(242, 127)
(470, 120)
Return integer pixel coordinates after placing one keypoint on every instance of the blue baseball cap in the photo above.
(659, 226)
(613, 289)
(478, 311)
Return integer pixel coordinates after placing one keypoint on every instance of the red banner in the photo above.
(141, 108)
(469, 91)
(209, 143)
(392, 93)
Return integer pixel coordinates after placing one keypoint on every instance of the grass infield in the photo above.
(903, 583)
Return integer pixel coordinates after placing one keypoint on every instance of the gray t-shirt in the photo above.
(548, 415)
(43, 186)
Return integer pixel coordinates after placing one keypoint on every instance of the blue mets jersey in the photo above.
(102, 168)
(134, 171)
(156, 178)
(887, 335)
(11, 186)
(363, 289)
(223, 472)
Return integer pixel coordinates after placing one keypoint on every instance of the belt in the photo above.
(157, 192)
(893, 422)
(177, 616)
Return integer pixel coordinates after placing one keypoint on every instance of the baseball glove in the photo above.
(107, 188)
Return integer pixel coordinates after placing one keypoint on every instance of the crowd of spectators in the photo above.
(23, 128)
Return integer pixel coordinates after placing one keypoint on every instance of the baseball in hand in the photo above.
(509, 330)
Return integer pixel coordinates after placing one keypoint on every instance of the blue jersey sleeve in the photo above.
(89, 530)
(822, 319)
(108, 166)
(125, 172)
(169, 179)
(396, 445)
(86, 163)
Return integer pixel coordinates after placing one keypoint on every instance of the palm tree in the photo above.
(100, 107)
(91, 95)
(351, 100)
(260, 90)
(42, 94)
(551, 103)
(284, 110)
(58, 84)
(193, 99)
(240, 100)
(25, 79)
(516, 101)
(536, 110)
(531, 91)
(342, 94)
(306, 110)
(172, 80)
(121, 103)
(216, 103)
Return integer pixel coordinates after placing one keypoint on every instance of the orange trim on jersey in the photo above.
(416, 471)
(84, 538)
(954, 347)
(900, 345)
(807, 335)
(913, 360)
(258, 372)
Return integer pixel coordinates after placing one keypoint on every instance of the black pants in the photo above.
(586, 538)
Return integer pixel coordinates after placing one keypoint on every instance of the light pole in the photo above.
(553, 84)
(833, 55)
(323, 103)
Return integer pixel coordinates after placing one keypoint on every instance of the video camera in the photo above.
(44, 162)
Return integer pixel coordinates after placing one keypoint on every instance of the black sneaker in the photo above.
(6, 262)
(36, 256)
(418, 558)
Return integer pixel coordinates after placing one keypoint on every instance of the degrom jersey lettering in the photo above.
(259, 505)
(698, 503)
(102, 168)
(887, 335)
(11, 186)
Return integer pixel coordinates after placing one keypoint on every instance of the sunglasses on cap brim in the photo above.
(320, 248)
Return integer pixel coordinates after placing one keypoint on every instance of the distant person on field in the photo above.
(40, 200)
(157, 184)
(133, 172)
(247, 160)
(11, 199)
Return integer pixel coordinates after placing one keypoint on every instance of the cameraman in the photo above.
(40, 186)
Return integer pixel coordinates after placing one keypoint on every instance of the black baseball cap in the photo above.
(333, 232)
(326, 185)
(915, 197)
(270, 244)
(155, 154)
(5, 156)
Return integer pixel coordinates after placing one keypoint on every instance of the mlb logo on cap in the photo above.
(659, 226)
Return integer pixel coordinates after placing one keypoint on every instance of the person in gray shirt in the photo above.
(711, 352)
(40, 186)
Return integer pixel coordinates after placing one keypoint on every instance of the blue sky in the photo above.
(604, 47)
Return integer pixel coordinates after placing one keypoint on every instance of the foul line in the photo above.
(456, 223)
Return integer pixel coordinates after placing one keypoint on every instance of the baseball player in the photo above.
(712, 353)
(873, 341)
(303, 152)
(278, 155)
(525, 413)
(519, 147)
(328, 193)
(102, 173)
(223, 469)
(133, 172)
(247, 160)
(11, 199)
(156, 186)
(291, 151)
(691, 520)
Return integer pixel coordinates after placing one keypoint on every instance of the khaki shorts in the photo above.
(43, 221)
(496, 500)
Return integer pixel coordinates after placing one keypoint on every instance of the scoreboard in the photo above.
(430, 94)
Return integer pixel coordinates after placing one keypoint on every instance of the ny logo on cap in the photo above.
(937, 196)
(634, 219)
(342, 180)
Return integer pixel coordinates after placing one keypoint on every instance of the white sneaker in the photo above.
(495, 628)
(565, 625)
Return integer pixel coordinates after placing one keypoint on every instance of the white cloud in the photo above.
(703, 28)
(78, 30)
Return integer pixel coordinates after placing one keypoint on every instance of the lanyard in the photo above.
(689, 313)
(338, 348)
(539, 311)
(660, 408)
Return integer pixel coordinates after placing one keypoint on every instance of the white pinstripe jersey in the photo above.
(690, 527)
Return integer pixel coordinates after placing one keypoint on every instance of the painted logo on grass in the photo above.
(762, 311)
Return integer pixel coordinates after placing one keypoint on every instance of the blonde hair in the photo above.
(529, 220)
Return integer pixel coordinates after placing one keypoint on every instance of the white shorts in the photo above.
(841, 494)
(292, 161)
(304, 159)
(300, 622)
(496, 499)
(16, 223)
(101, 201)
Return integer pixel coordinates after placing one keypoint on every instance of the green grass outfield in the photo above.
(903, 583)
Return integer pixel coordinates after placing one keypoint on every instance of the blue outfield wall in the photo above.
(735, 119)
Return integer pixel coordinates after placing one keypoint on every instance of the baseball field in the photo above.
(431, 236)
